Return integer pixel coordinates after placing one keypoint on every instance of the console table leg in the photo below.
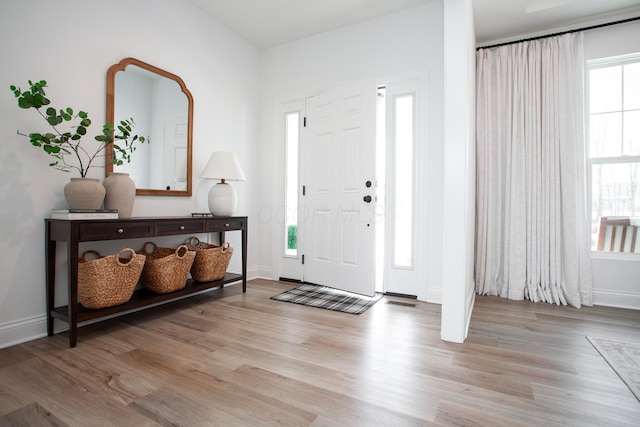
(244, 259)
(72, 263)
(50, 273)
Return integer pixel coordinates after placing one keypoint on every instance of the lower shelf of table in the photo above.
(143, 298)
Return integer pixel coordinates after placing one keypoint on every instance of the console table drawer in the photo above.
(166, 228)
(105, 230)
(224, 225)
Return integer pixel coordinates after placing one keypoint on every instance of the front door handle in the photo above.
(367, 199)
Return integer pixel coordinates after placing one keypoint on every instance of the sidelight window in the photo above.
(404, 135)
(292, 136)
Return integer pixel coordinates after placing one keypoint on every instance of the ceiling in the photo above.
(503, 19)
(268, 23)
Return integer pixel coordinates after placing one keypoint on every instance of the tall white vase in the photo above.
(84, 193)
(121, 193)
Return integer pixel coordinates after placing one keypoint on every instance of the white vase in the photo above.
(84, 193)
(121, 193)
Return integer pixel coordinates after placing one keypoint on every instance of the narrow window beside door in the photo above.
(292, 135)
(402, 182)
(404, 135)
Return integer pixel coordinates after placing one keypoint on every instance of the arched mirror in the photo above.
(162, 108)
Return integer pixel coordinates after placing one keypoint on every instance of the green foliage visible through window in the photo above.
(292, 237)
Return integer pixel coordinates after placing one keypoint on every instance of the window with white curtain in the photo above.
(613, 113)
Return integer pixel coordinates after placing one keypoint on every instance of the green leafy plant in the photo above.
(292, 237)
(65, 147)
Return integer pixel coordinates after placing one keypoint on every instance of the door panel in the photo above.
(339, 158)
(175, 153)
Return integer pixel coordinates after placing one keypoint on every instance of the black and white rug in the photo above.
(328, 298)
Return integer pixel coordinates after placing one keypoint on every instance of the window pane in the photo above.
(631, 133)
(403, 225)
(292, 132)
(614, 192)
(605, 135)
(605, 89)
(632, 86)
(615, 189)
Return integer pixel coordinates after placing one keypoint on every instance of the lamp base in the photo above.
(222, 199)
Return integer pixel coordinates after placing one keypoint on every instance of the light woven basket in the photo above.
(166, 269)
(109, 280)
(211, 261)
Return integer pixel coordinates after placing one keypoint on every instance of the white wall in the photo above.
(405, 41)
(459, 170)
(71, 44)
(616, 278)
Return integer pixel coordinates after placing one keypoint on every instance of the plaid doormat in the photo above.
(328, 298)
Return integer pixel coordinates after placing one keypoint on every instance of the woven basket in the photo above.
(109, 280)
(166, 269)
(211, 261)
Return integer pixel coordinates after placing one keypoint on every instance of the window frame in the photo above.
(292, 253)
(593, 161)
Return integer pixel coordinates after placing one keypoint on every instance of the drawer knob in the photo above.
(227, 224)
(120, 230)
(182, 228)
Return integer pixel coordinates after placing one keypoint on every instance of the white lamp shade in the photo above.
(223, 165)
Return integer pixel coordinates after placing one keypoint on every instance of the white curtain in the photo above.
(532, 226)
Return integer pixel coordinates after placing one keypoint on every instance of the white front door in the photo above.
(339, 182)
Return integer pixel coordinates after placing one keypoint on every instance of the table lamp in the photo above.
(223, 165)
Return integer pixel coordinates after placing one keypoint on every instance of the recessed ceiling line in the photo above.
(592, 27)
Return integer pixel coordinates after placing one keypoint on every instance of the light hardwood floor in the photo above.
(227, 358)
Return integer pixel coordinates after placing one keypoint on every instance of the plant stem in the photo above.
(74, 148)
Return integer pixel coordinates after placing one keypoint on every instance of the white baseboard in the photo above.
(616, 299)
(260, 273)
(434, 296)
(23, 330)
(471, 301)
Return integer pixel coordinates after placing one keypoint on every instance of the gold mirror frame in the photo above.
(111, 93)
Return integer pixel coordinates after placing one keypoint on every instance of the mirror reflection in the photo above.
(162, 108)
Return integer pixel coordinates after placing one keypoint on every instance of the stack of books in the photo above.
(84, 214)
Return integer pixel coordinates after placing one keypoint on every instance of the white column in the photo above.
(459, 170)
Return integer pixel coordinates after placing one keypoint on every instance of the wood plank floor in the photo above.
(228, 358)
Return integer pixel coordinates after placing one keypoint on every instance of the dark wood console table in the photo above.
(75, 231)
